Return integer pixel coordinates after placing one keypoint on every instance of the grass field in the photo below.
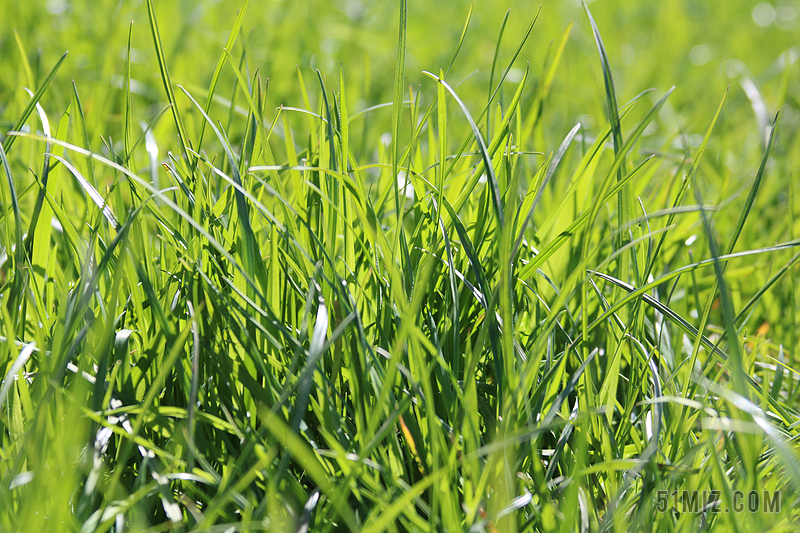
(399, 266)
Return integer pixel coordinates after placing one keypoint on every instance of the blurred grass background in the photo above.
(699, 46)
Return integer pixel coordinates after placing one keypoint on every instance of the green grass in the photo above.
(335, 266)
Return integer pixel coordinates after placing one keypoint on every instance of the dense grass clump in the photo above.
(477, 277)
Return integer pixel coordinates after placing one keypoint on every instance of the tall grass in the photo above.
(437, 309)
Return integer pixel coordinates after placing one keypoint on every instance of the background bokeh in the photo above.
(699, 46)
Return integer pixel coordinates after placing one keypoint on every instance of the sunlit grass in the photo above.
(504, 285)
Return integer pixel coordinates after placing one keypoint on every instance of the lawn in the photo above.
(399, 266)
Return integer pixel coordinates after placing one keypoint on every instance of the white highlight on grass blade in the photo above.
(92, 192)
(171, 509)
(583, 505)
(320, 330)
(16, 368)
(758, 105)
(21, 479)
(691, 240)
(763, 14)
(308, 508)
(100, 516)
(152, 150)
(75, 370)
(101, 439)
(41, 113)
(404, 184)
(517, 503)
(121, 337)
(104, 434)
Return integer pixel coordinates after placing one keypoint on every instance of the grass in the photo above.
(470, 278)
